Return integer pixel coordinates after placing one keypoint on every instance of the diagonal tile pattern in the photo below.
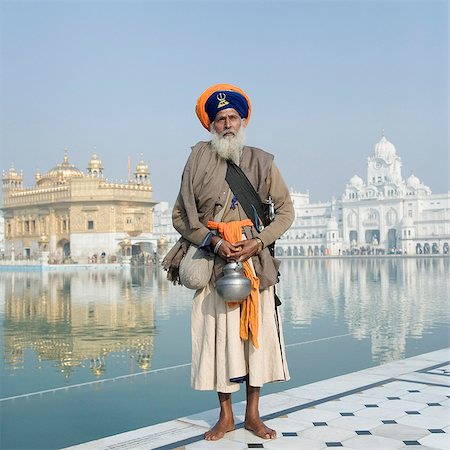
(401, 405)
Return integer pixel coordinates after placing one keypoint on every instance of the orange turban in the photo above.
(201, 102)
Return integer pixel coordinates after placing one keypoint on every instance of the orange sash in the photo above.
(232, 232)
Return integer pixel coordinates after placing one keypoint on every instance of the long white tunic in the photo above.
(218, 353)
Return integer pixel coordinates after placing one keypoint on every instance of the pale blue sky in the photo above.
(324, 78)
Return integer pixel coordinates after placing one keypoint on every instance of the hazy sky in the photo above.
(324, 79)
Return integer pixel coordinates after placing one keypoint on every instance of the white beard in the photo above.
(228, 147)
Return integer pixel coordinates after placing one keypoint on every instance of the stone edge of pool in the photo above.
(187, 430)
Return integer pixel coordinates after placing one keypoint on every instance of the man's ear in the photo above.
(244, 122)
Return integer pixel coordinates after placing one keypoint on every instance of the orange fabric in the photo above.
(232, 232)
(200, 107)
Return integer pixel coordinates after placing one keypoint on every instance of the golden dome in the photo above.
(12, 174)
(142, 168)
(162, 241)
(95, 164)
(60, 173)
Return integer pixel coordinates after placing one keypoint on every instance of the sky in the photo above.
(324, 78)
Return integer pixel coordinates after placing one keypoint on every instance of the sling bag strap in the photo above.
(249, 199)
(251, 203)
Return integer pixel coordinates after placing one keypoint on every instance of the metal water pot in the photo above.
(233, 286)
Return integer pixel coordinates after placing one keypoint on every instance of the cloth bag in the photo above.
(196, 268)
(197, 265)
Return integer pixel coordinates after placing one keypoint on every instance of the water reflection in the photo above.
(84, 319)
(386, 300)
(77, 319)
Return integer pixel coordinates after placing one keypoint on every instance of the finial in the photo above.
(382, 133)
(142, 156)
(66, 158)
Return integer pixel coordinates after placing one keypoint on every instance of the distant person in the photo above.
(232, 344)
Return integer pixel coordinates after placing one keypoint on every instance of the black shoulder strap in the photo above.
(251, 203)
(246, 194)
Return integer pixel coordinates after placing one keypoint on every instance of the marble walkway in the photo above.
(403, 404)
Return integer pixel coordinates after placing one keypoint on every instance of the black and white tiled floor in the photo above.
(404, 404)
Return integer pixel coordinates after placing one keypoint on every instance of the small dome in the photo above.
(141, 168)
(12, 174)
(413, 181)
(385, 149)
(407, 222)
(95, 163)
(356, 181)
(162, 241)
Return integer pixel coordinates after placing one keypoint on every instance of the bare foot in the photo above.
(218, 431)
(257, 426)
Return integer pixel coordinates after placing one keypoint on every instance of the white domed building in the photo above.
(384, 214)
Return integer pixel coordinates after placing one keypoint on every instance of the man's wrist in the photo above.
(214, 240)
(260, 244)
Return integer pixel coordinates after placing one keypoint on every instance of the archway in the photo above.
(372, 236)
(353, 237)
(63, 248)
(392, 238)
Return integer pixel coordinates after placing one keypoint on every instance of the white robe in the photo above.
(219, 354)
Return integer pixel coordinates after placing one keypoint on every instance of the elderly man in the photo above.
(233, 343)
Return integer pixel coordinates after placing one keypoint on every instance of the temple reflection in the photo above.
(95, 320)
(386, 300)
(77, 319)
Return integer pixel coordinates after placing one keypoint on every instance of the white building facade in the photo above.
(385, 214)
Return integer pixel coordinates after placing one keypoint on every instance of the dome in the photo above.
(407, 222)
(141, 168)
(356, 181)
(12, 174)
(95, 164)
(385, 149)
(60, 173)
(413, 181)
(162, 241)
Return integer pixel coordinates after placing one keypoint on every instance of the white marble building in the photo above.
(383, 214)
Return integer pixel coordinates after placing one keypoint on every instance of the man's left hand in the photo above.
(249, 248)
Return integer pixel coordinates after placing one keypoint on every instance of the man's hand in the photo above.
(248, 248)
(226, 250)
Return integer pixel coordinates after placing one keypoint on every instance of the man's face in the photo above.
(227, 123)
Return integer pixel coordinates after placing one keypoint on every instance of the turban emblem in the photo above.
(222, 97)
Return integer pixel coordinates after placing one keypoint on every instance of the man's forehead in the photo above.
(227, 112)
